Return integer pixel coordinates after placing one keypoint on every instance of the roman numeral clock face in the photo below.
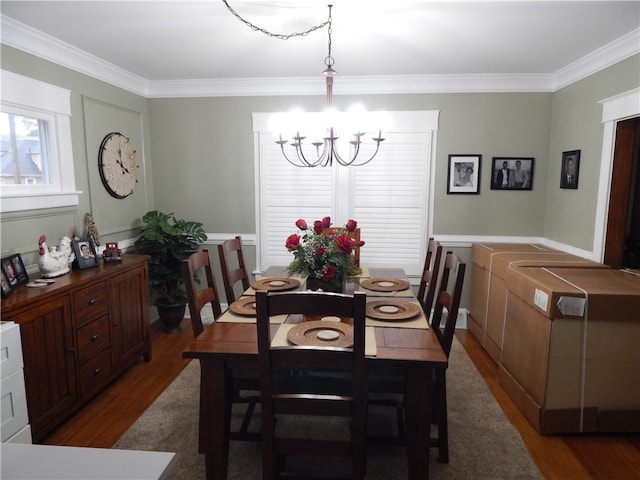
(118, 165)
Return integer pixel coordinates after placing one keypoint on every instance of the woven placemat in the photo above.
(306, 333)
(384, 284)
(393, 310)
(276, 284)
(244, 306)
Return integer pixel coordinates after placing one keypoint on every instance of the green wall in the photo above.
(97, 109)
(206, 145)
(198, 156)
(576, 124)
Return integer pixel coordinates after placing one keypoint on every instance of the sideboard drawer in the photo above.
(92, 338)
(95, 374)
(90, 302)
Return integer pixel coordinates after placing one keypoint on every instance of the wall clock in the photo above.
(118, 165)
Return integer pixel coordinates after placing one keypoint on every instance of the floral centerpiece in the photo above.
(326, 260)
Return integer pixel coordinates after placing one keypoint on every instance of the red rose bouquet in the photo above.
(326, 258)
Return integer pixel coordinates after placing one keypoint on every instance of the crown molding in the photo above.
(32, 41)
(610, 54)
(27, 39)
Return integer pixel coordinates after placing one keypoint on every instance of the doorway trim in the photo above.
(614, 109)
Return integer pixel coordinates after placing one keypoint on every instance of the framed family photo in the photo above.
(463, 174)
(570, 169)
(6, 288)
(85, 254)
(14, 270)
(512, 173)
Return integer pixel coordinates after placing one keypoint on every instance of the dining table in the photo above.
(394, 343)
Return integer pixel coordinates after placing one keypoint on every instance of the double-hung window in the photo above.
(36, 159)
(389, 197)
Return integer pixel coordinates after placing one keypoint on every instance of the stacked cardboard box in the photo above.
(489, 290)
(571, 350)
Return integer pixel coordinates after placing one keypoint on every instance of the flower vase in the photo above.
(335, 285)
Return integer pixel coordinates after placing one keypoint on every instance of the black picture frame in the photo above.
(83, 261)
(4, 283)
(519, 171)
(463, 174)
(570, 169)
(14, 270)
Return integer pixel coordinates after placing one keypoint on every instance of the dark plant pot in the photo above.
(171, 316)
(336, 286)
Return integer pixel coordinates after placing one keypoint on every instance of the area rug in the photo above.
(482, 442)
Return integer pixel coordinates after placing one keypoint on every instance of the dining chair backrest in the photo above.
(448, 298)
(354, 234)
(430, 274)
(200, 264)
(312, 381)
(232, 266)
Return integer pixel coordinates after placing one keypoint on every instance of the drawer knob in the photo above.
(97, 371)
(94, 337)
(92, 301)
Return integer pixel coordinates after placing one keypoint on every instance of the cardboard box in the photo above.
(488, 287)
(571, 349)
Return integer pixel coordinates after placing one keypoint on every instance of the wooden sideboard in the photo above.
(78, 334)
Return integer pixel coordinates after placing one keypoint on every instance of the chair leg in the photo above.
(246, 421)
(441, 412)
(402, 434)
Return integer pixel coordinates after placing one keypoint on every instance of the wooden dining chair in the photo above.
(232, 266)
(447, 305)
(355, 235)
(201, 290)
(200, 264)
(430, 274)
(448, 298)
(324, 385)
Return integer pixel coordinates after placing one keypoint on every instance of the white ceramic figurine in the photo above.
(54, 262)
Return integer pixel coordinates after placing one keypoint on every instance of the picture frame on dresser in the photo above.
(14, 270)
(463, 174)
(6, 288)
(85, 252)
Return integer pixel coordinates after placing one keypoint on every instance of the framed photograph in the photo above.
(463, 174)
(6, 288)
(570, 169)
(14, 271)
(85, 254)
(512, 173)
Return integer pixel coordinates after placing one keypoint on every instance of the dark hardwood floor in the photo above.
(562, 457)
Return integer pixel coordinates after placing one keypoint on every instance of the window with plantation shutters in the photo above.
(389, 197)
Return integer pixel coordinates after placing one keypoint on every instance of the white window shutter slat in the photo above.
(388, 197)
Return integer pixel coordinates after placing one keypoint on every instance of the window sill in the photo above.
(19, 203)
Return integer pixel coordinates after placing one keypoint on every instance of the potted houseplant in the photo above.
(168, 241)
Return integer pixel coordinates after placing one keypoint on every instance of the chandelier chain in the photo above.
(326, 149)
(329, 60)
(281, 36)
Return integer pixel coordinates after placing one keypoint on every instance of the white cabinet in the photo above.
(15, 421)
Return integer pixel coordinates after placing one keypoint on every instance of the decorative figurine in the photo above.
(54, 262)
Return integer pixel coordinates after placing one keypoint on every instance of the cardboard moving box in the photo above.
(489, 290)
(571, 350)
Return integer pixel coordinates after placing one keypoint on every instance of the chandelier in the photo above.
(324, 151)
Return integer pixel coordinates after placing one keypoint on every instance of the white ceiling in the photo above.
(161, 43)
